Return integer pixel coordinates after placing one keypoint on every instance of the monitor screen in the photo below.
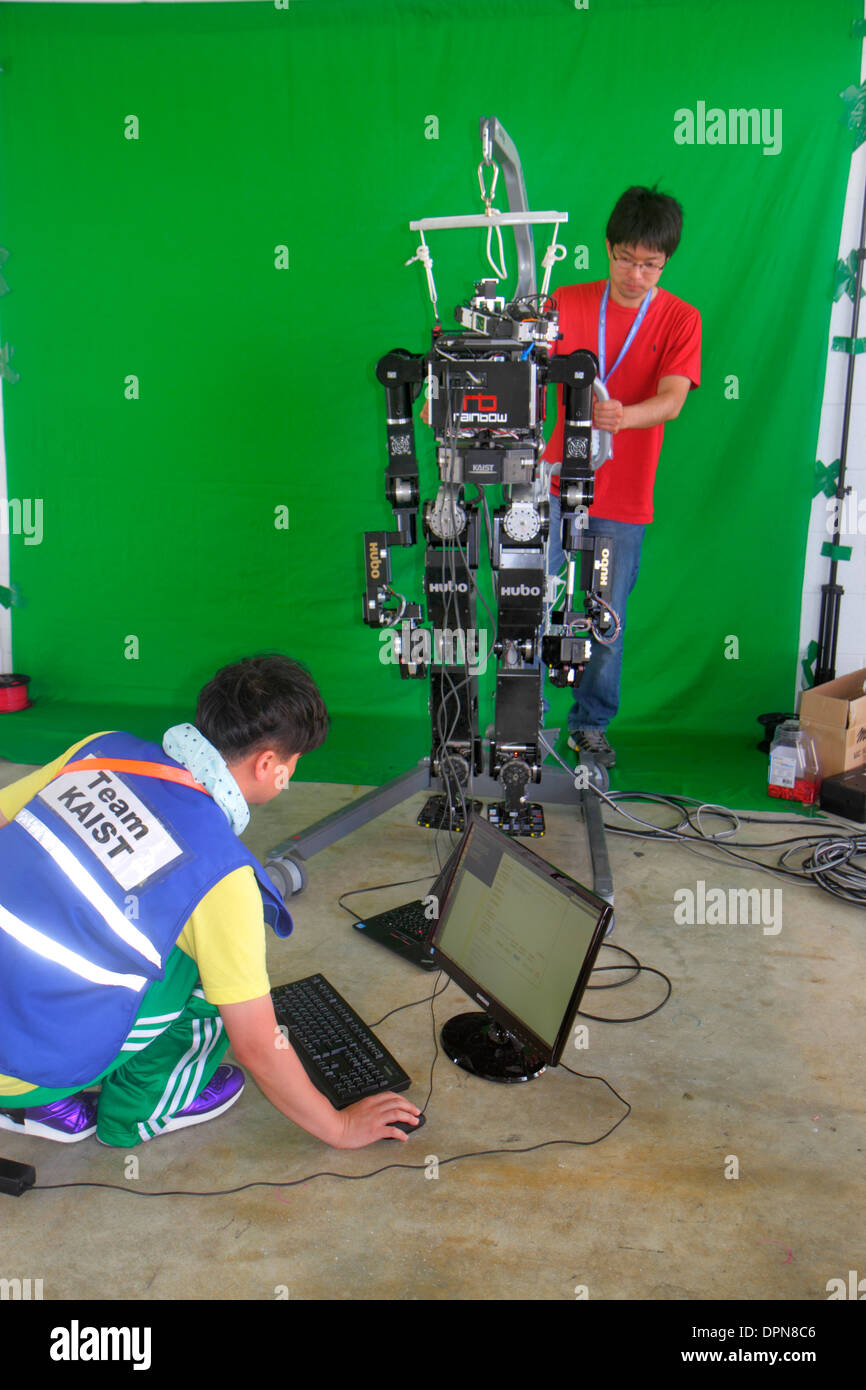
(519, 937)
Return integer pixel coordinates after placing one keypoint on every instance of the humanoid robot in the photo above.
(486, 388)
(486, 385)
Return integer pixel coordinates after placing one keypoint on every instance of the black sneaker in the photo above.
(592, 741)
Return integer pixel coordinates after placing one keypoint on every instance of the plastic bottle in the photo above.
(794, 771)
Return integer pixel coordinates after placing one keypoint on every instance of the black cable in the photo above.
(400, 1007)
(362, 1177)
(635, 1018)
(451, 546)
(635, 966)
(830, 862)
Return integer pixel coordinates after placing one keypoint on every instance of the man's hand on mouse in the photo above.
(369, 1120)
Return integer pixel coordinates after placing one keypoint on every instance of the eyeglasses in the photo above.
(642, 267)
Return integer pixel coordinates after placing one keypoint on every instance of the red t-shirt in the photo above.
(668, 343)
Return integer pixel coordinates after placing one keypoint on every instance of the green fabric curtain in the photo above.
(204, 428)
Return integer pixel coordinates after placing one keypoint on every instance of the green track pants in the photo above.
(172, 1051)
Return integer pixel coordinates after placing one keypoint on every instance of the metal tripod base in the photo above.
(557, 788)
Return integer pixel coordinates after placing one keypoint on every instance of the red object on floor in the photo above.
(13, 693)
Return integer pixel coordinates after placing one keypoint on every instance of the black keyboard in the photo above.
(340, 1054)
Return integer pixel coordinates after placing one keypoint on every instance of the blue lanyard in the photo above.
(602, 324)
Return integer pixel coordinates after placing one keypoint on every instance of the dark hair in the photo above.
(262, 702)
(644, 217)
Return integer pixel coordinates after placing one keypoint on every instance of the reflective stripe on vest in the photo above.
(61, 955)
(86, 884)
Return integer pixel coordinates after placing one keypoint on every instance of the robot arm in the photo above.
(399, 371)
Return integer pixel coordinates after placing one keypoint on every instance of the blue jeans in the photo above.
(597, 696)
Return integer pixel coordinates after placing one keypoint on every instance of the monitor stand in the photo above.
(483, 1048)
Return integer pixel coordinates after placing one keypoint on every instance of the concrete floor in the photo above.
(755, 1064)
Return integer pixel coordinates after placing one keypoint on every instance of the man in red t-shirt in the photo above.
(649, 347)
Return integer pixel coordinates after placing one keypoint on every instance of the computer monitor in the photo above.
(521, 938)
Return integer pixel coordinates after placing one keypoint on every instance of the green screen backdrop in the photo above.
(186, 387)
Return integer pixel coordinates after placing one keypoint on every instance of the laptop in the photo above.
(408, 930)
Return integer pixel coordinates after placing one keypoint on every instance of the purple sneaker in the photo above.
(65, 1121)
(221, 1092)
(223, 1089)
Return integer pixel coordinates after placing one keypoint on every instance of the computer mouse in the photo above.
(406, 1127)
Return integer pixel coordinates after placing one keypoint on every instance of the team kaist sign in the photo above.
(125, 834)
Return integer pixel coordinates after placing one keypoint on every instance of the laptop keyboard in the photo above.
(408, 920)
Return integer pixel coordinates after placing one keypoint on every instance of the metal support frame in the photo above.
(556, 788)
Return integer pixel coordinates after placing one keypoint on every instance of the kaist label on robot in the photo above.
(124, 834)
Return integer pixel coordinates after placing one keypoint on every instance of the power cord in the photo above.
(835, 862)
(411, 1167)
(830, 861)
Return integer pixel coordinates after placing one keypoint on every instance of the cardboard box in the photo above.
(835, 715)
